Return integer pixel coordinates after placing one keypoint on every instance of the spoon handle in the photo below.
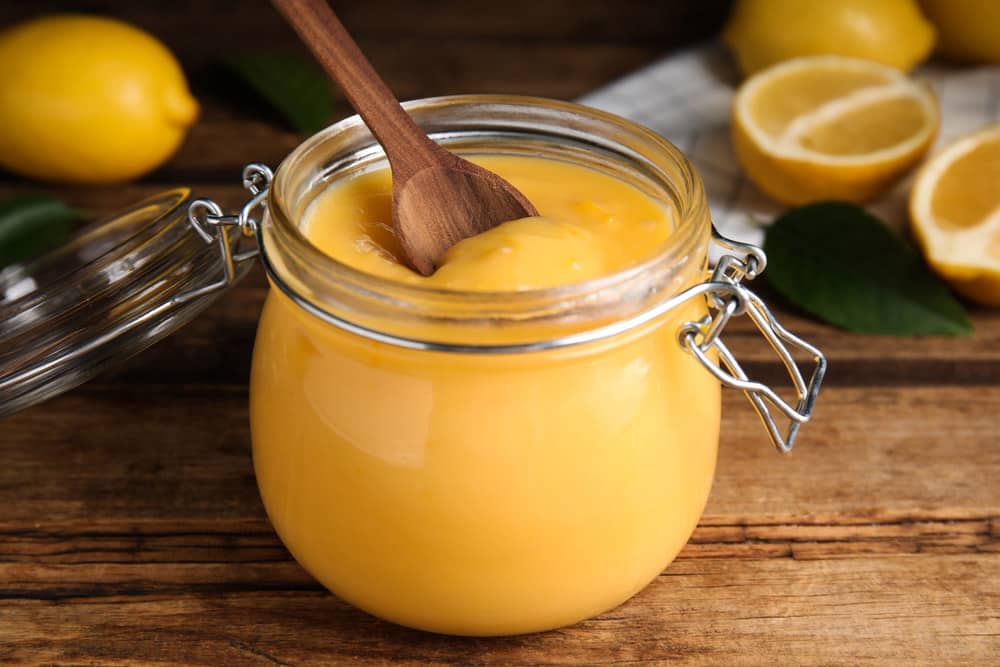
(407, 147)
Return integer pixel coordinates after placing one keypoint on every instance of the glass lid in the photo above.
(115, 288)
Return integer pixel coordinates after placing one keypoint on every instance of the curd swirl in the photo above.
(486, 494)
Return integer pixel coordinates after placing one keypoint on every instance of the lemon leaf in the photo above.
(296, 88)
(843, 265)
(31, 224)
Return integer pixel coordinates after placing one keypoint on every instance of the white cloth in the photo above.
(686, 97)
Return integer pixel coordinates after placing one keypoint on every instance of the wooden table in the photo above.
(130, 526)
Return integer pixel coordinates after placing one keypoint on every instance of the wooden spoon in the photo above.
(438, 198)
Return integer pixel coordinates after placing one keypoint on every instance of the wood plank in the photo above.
(182, 452)
(931, 609)
(570, 20)
(91, 545)
(188, 25)
(871, 454)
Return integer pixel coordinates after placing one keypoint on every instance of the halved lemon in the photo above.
(830, 127)
(955, 214)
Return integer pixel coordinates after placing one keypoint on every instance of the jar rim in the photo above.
(693, 223)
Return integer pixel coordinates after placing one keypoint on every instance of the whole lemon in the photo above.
(764, 32)
(86, 99)
(968, 30)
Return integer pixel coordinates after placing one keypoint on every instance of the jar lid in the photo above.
(115, 288)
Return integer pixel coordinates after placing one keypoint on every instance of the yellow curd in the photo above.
(591, 224)
(486, 494)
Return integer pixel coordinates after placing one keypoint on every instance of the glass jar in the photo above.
(485, 463)
(466, 463)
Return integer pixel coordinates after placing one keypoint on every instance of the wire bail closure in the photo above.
(725, 293)
(206, 218)
(699, 337)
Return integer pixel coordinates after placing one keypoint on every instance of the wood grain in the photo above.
(935, 609)
(196, 27)
(233, 542)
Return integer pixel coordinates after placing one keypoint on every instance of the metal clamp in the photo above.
(734, 299)
(207, 219)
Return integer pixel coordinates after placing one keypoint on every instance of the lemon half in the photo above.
(955, 214)
(829, 127)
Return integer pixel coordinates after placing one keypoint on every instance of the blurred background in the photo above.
(554, 48)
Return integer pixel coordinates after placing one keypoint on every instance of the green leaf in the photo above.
(296, 88)
(31, 224)
(845, 266)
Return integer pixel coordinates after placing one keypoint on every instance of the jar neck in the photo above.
(494, 125)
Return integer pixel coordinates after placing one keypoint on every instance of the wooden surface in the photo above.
(130, 526)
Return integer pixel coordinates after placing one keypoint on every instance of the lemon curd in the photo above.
(591, 224)
(486, 494)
